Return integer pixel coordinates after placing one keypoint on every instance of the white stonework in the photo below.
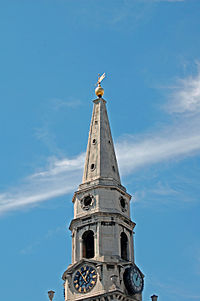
(101, 207)
(100, 149)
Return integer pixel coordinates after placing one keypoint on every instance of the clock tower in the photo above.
(103, 264)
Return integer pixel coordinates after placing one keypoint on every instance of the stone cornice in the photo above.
(100, 216)
(120, 188)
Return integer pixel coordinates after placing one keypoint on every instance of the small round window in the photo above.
(87, 202)
(92, 166)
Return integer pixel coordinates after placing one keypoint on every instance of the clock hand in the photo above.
(86, 275)
(83, 277)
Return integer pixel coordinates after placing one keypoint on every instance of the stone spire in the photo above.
(100, 163)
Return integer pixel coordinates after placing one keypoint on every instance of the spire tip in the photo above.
(99, 91)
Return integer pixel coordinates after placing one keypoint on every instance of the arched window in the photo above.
(88, 244)
(124, 246)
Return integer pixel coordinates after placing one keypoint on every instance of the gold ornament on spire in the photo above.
(99, 91)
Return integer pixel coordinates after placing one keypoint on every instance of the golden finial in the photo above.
(99, 91)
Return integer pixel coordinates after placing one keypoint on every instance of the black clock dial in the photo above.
(85, 279)
(133, 280)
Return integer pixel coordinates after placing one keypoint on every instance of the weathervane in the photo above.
(99, 91)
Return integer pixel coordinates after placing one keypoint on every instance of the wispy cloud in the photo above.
(185, 97)
(192, 253)
(177, 141)
(155, 148)
(34, 244)
(54, 110)
(58, 103)
(63, 176)
(58, 178)
(174, 289)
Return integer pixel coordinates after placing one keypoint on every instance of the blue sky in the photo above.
(50, 55)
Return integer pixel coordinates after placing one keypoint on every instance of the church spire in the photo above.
(100, 160)
(103, 265)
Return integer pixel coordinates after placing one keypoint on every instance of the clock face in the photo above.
(136, 279)
(85, 279)
(133, 280)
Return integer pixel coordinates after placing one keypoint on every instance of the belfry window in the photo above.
(88, 244)
(124, 246)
